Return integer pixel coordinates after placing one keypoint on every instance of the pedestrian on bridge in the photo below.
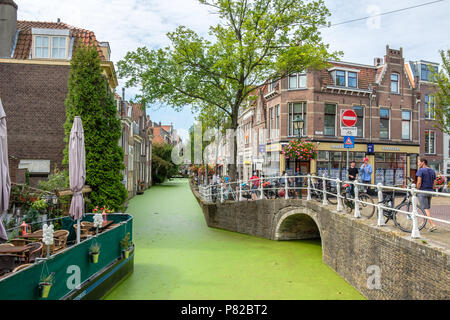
(255, 185)
(366, 173)
(426, 181)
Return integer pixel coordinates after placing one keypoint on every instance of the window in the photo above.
(430, 142)
(429, 107)
(384, 123)
(406, 125)
(352, 79)
(296, 109)
(271, 122)
(359, 110)
(272, 85)
(394, 83)
(41, 47)
(340, 78)
(50, 47)
(277, 121)
(330, 120)
(297, 81)
(425, 73)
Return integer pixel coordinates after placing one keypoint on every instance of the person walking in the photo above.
(426, 181)
(255, 185)
(366, 173)
(352, 176)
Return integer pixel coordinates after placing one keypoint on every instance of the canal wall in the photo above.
(378, 262)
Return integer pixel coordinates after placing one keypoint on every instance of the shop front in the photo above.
(391, 164)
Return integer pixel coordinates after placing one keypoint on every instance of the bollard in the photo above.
(286, 187)
(380, 210)
(338, 195)
(308, 197)
(357, 211)
(415, 228)
(324, 190)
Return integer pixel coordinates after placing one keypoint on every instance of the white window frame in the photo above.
(50, 46)
(297, 81)
(427, 151)
(398, 82)
(363, 120)
(389, 126)
(335, 119)
(431, 115)
(290, 118)
(410, 124)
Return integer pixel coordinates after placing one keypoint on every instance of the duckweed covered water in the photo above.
(178, 257)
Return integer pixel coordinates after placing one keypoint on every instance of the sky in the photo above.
(129, 24)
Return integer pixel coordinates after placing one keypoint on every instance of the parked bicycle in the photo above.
(401, 220)
(366, 204)
(317, 191)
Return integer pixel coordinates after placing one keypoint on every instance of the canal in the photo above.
(178, 257)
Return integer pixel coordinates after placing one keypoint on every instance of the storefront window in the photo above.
(390, 168)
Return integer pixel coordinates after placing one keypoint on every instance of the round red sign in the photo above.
(349, 118)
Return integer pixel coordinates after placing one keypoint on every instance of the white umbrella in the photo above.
(77, 171)
(5, 184)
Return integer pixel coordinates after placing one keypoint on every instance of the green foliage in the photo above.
(90, 98)
(95, 248)
(162, 165)
(48, 279)
(125, 243)
(442, 102)
(56, 181)
(32, 218)
(40, 205)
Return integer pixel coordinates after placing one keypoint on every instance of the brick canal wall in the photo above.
(379, 263)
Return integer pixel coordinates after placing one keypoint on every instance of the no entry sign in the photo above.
(349, 118)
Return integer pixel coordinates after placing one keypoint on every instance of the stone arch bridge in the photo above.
(379, 262)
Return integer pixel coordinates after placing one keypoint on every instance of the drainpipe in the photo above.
(418, 118)
(370, 112)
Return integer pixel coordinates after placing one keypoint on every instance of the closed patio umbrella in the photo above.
(77, 171)
(5, 184)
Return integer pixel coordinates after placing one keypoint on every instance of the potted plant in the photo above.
(126, 244)
(45, 285)
(94, 252)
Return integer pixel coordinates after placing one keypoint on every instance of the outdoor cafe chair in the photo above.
(84, 231)
(6, 245)
(22, 266)
(35, 251)
(7, 263)
(60, 239)
(18, 242)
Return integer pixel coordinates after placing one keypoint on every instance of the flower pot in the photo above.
(94, 257)
(44, 289)
(126, 254)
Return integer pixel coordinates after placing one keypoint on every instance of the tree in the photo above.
(442, 96)
(255, 41)
(162, 166)
(90, 98)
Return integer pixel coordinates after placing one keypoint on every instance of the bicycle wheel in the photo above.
(404, 221)
(331, 198)
(347, 203)
(365, 209)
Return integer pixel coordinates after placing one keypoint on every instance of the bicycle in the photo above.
(366, 206)
(401, 220)
(317, 191)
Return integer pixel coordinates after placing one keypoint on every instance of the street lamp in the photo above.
(298, 125)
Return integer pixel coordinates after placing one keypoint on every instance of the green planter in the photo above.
(126, 253)
(94, 257)
(44, 289)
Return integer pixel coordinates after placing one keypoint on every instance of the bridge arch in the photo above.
(296, 224)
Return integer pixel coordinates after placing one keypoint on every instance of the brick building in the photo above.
(385, 97)
(34, 69)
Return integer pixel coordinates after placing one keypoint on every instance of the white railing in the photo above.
(327, 191)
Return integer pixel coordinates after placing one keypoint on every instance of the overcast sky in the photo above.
(129, 24)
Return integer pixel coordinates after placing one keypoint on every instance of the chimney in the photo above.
(8, 27)
(58, 20)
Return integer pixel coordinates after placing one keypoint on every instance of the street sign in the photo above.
(349, 131)
(370, 148)
(349, 142)
(349, 118)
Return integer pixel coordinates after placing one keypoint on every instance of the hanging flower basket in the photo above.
(45, 285)
(300, 150)
(440, 181)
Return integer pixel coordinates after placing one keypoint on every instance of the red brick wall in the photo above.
(33, 97)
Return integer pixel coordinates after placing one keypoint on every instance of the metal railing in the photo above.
(292, 186)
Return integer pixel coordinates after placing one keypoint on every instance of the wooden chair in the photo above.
(6, 245)
(7, 263)
(35, 251)
(18, 242)
(84, 232)
(60, 239)
(22, 266)
(112, 226)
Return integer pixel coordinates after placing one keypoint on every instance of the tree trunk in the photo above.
(232, 167)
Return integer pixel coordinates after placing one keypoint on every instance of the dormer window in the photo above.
(50, 44)
(272, 85)
(345, 77)
(425, 73)
(297, 81)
